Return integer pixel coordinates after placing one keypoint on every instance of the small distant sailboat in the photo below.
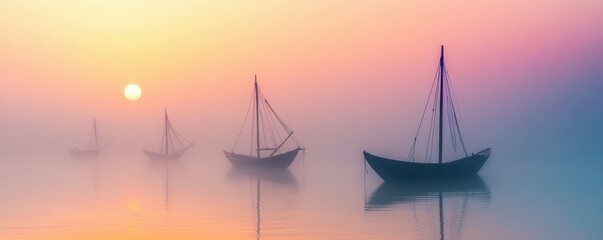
(395, 170)
(93, 145)
(266, 118)
(173, 145)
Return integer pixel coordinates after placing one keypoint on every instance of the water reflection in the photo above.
(281, 177)
(90, 163)
(164, 169)
(442, 205)
(272, 180)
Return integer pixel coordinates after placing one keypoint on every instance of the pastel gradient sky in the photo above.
(345, 75)
(361, 69)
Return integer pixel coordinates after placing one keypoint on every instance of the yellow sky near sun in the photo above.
(114, 39)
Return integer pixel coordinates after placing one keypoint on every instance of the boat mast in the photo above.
(167, 139)
(257, 115)
(441, 104)
(95, 134)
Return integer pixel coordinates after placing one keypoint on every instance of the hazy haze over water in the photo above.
(345, 76)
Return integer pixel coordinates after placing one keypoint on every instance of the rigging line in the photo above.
(425, 109)
(263, 128)
(452, 130)
(170, 133)
(430, 137)
(180, 137)
(268, 119)
(458, 128)
(245, 121)
(268, 122)
(162, 140)
(276, 128)
(449, 114)
(173, 139)
(432, 132)
(428, 140)
(284, 125)
(436, 129)
(452, 89)
(411, 153)
(434, 119)
(253, 125)
(166, 145)
(272, 124)
(460, 136)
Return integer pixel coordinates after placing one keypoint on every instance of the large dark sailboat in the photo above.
(173, 145)
(268, 153)
(442, 102)
(93, 149)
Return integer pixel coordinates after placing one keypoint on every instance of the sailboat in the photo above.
(93, 149)
(396, 170)
(264, 126)
(173, 145)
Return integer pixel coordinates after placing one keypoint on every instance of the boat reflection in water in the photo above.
(445, 203)
(277, 177)
(163, 170)
(277, 182)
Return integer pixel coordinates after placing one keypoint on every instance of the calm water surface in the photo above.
(321, 196)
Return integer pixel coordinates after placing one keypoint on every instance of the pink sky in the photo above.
(63, 62)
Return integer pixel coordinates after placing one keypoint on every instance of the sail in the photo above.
(269, 135)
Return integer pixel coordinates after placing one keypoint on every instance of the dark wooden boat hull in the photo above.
(396, 170)
(281, 161)
(84, 153)
(163, 156)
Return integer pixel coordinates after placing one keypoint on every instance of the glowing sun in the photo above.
(132, 92)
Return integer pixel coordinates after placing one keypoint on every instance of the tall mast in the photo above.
(257, 115)
(167, 139)
(441, 104)
(95, 134)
